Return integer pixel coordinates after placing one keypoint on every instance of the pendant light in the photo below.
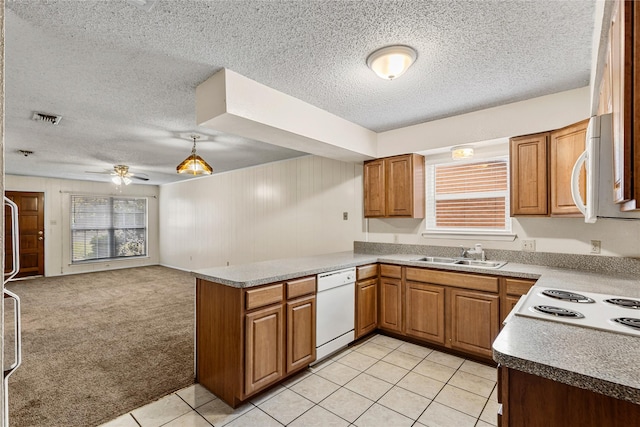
(392, 61)
(194, 164)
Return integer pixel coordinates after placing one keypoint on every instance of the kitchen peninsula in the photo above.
(586, 359)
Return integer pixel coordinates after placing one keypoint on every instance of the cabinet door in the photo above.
(366, 307)
(400, 186)
(301, 332)
(264, 345)
(425, 312)
(510, 303)
(374, 189)
(566, 146)
(528, 158)
(474, 321)
(391, 304)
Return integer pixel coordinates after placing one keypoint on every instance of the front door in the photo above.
(31, 227)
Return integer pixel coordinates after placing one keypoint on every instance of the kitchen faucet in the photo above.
(474, 252)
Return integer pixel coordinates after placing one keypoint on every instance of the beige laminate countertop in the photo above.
(604, 362)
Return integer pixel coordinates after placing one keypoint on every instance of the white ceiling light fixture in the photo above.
(392, 61)
(461, 152)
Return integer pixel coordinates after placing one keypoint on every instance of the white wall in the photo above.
(278, 210)
(57, 227)
(556, 235)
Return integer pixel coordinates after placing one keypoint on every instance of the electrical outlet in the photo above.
(595, 246)
(345, 215)
(529, 245)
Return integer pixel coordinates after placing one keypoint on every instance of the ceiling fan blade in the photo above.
(141, 178)
(101, 173)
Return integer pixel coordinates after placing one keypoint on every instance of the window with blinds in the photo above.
(105, 227)
(468, 197)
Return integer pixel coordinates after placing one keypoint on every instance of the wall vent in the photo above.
(44, 117)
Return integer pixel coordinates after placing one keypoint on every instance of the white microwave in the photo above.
(598, 161)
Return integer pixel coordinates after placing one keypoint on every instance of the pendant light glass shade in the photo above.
(194, 164)
(392, 61)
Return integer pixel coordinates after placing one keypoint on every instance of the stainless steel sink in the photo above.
(459, 261)
(439, 260)
(482, 264)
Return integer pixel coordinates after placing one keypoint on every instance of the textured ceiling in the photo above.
(124, 78)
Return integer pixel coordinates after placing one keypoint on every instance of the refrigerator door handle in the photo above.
(18, 337)
(15, 239)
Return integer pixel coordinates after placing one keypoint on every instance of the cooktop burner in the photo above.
(629, 322)
(558, 311)
(567, 296)
(624, 302)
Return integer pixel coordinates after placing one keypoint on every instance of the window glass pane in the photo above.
(469, 196)
(130, 242)
(90, 244)
(108, 227)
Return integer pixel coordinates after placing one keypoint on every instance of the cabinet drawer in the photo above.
(299, 287)
(391, 271)
(263, 296)
(366, 271)
(458, 280)
(518, 286)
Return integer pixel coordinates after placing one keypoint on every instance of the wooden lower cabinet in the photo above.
(301, 333)
(425, 312)
(474, 321)
(264, 345)
(532, 401)
(250, 339)
(366, 307)
(390, 304)
(513, 290)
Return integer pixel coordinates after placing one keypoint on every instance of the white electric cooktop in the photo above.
(586, 309)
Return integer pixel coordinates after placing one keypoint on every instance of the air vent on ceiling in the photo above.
(49, 118)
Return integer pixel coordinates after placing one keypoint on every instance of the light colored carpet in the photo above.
(98, 345)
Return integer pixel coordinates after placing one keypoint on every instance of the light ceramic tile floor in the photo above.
(380, 381)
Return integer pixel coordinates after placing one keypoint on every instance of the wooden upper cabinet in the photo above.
(566, 146)
(374, 189)
(394, 187)
(528, 161)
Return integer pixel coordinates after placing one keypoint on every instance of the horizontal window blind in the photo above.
(470, 196)
(105, 227)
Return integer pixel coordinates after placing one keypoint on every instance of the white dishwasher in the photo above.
(335, 311)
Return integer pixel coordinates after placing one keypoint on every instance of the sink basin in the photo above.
(439, 260)
(458, 261)
(484, 264)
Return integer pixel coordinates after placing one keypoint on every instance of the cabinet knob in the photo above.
(40, 238)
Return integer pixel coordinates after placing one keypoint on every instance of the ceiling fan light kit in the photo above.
(392, 61)
(194, 164)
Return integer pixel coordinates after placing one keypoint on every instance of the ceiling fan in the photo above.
(121, 175)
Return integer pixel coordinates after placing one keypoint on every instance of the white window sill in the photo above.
(505, 237)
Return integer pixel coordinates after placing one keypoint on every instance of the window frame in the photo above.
(111, 229)
(454, 232)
